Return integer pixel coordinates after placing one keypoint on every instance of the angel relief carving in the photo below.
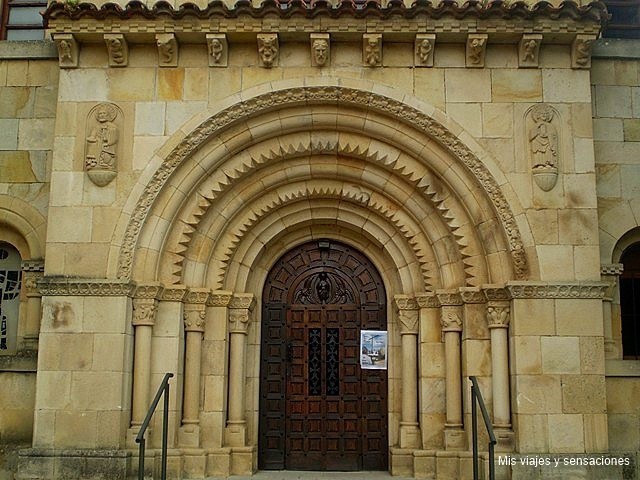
(101, 152)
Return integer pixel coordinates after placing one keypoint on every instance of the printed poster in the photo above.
(373, 349)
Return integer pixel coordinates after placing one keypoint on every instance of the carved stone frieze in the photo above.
(320, 50)
(405, 302)
(174, 293)
(218, 49)
(268, 49)
(529, 50)
(496, 293)
(427, 300)
(167, 49)
(68, 50)
(320, 95)
(148, 290)
(498, 315)
(558, 290)
(54, 286)
(581, 51)
(197, 295)
(242, 300)
(194, 320)
(543, 127)
(144, 312)
(471, 295)
(424, 48)
(607, 269)
(451, 319)
(476, 49)
(372, 50)
(104, 127)
(32, 266)
(117, 49)
(219, 298)
(449, 297)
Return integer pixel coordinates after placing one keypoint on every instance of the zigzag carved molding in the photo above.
(315, 148)
(319, 95)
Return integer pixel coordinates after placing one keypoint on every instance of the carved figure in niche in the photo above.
(64, 50)
(529, 50)
(215, 50)
(543, 138)
(166, 49)
(320, 49)
(268, 49)
(372, 52)
(476, 48)
(117, 50)
(102, 142)
(424, 50)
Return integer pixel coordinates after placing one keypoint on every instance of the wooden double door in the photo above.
(318, 409)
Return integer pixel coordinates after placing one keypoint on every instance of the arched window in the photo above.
(630, 301)
(10, 277)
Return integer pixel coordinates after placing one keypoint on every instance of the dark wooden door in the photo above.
(318, 409)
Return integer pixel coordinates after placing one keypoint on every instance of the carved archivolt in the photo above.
(313, 95)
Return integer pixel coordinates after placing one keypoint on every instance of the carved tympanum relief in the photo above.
(544, 144)
(217, 48)
(320, 53)
(104, 126)
(268, 49)
(372, 50)
(424, 50)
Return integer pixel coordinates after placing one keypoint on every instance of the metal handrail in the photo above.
(163, 389)
(476, 397)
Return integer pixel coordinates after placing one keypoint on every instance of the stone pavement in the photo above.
(293, 475)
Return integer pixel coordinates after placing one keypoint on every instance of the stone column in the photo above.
(194, 321)
(145, 306)
(32, 271)
(408, 315)
(239, 314)
(611, 307)
(451, 323)
(498, 316)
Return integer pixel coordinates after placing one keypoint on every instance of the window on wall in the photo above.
(10, 278)
(21, 20)
(625, 19)
(630, 302)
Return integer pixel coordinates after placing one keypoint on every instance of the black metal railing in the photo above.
(163, 389)
(476, 399)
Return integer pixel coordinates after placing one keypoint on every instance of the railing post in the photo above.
(165, 428)
(476, 396)
(474, 432)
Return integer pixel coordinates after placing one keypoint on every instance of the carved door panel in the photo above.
(318, 409)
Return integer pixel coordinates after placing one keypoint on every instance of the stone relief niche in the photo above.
(372, 50)
(217, 49)
(320, 49)
(424, 48)
(68, 50)
(542, 123)
(102, 141)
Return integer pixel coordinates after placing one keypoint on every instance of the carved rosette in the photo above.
(219, 298)
(543, 135)
(498, 315)
(268, 49)
(424, 47)
(372, 49)
(104, 127)
(68, 50)
(217, 49)
(529, 50)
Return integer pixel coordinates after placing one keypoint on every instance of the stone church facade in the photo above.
(233, 194)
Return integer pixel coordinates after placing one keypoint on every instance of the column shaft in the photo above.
(191, 408)
(409, 380)
(500, 381)
(453, 388)
(141, 373)
(236, 378)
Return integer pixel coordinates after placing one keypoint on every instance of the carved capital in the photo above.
(197, 296)
(408, 314)
(174, 293)
(238, 320)
(217, 49)
(242, 300)
(615, 269)
(117, 49)
(471, 295)
(68, 50)
(451, 319)
(529, 50)
(581, 51)
(427, 300)
(372, 49)
(496, 293)
(219, 298)
(424, 47)
(476, 49)
(405, 302)
(194, 319)
(167, 49)
(449, 297)
(144, 311)
(320, 49)
(498, 315)
(30, 283)
(268, 49)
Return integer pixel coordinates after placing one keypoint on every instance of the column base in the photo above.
(219, 462)
(410, 435)
(235, 433)
(244, 460)
(454, 437)
(189, 435)
(505, 437)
